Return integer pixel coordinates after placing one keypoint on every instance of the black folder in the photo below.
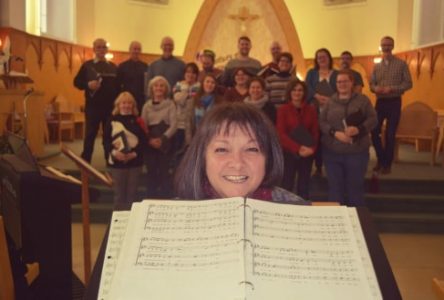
(324, 88)
(355, 119)
(120, 142)
(302, 136)
(157, 131)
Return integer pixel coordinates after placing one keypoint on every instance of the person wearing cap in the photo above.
(251, 65)
(207, 59)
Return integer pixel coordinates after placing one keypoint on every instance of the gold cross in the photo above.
(244, 15)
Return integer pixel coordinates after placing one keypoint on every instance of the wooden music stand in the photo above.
(86, 170)
(12, 81)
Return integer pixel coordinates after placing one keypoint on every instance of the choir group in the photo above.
(151, 113)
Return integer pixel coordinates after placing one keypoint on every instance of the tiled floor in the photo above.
(415, 259)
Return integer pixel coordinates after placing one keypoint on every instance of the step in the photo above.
(403, 203)
(393, 186)
(401, 186)
(409, 223)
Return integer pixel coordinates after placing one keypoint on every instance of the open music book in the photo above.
(236, 248)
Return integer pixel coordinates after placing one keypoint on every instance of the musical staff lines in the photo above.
(190, 237)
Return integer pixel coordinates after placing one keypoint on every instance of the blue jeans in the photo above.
(345, 174)
(387, 109)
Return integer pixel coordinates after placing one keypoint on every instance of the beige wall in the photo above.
(121, 22)
(357, 27)
(85, 30)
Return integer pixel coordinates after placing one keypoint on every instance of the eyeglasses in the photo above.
(343, 81)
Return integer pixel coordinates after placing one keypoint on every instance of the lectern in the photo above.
(36, 206)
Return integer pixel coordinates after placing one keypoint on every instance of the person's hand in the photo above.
(156, 143)
(342, 137)
(386, 90)
(305, 151)
(120, 156)
(351, 131)
(379, 89)
(94, 84)
(130, 156)
(383, 90)
(117, 144)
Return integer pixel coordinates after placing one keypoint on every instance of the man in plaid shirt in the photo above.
(390, 79)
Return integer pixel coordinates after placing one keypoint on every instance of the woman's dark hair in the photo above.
(287, 55)
(201, 91)
(190, 176)
(244, 70)
(291, 85)
(193, 67)
(330, 59)
(257, 79)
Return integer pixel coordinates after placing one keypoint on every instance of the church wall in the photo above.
(53, 64)
(123, 21)
(357, 27)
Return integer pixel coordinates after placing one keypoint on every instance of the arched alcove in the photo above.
(219, 24)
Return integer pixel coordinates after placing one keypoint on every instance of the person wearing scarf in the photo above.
(259, 99)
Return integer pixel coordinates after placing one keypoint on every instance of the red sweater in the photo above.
(289, 117)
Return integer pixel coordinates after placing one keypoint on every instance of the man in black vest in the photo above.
(97, 77)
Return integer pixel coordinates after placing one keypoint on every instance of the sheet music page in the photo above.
(304, 252)
(365, 256)
(182, 250)
(119, 222)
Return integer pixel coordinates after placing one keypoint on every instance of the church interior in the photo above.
(43, 44)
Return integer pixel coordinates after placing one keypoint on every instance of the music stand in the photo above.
(86, 170)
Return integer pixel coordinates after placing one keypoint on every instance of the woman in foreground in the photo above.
(235, 153)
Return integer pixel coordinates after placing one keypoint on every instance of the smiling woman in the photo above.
(235, 153)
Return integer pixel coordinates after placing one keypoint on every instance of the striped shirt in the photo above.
(277, 86)
(392, 72)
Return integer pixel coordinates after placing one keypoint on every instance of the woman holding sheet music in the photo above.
(124, 139)
(235, 153)
(298, 129)
(345, 124)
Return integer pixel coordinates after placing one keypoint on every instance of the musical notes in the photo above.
(119, 222)
(239, 249)
(187, 244)
(302, 247)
